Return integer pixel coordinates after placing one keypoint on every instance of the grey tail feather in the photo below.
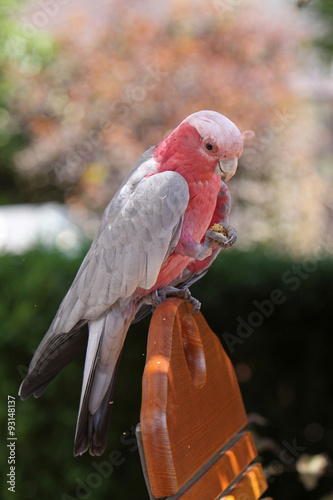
(52, 362)
(92, 430)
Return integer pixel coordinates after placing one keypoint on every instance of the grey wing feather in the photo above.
(139, 229)
(51, 357)
(129, 251)
(64, 330)
(129, 248)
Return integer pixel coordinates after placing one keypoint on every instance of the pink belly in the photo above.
(197, 220)
(172, 268)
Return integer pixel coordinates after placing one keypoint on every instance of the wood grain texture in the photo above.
(191, 402)
(250, 486)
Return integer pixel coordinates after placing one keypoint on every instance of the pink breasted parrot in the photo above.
(154, 240)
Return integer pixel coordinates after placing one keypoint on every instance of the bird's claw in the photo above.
(182, 293)
(221, 235)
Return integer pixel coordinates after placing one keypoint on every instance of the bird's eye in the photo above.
(209, 146)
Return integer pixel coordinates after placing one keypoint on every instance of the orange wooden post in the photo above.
(192, 413)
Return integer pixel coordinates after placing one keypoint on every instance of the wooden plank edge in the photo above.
(251, 485)
(226, 467)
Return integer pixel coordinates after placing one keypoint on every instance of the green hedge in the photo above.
(273, 318)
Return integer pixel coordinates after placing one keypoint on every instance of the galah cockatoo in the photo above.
(154, 240)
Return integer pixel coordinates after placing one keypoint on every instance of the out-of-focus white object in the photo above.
(25, 226)
(311, 468)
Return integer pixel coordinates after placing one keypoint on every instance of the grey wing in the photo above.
(130, 250)
(127, 253)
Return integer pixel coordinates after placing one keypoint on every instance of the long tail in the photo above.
(105, 343)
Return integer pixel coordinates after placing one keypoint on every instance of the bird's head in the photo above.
(208, 139)
(221, 143)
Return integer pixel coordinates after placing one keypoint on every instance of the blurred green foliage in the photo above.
(325, 42)
(284, 366)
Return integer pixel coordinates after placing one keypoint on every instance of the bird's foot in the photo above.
(170, 291)
(221, 235)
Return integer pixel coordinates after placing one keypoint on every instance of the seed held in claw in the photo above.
(219, 228)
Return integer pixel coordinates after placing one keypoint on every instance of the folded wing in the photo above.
(140, 228)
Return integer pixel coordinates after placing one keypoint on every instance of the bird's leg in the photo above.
(170, 291)
(220, 235)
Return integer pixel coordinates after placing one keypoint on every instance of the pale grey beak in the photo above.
(226, 168)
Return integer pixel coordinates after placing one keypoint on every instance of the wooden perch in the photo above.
(192, 413)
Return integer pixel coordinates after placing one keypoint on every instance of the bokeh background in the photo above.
(85, 88)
